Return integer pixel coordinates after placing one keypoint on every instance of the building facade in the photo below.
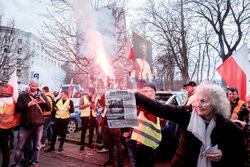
(22, 51)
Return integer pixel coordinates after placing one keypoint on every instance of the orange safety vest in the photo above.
(234, 115)
(86, 111)
(7, 112)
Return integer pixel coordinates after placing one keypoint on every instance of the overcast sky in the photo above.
(29, 14)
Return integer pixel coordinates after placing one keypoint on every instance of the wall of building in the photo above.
(49, 69)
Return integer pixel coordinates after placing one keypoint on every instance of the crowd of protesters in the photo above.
(212, 121)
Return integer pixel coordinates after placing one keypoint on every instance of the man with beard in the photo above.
(31, 105)
(235, 102)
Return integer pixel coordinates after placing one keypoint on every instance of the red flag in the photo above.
(13, 89)
(70, 88)
(234, 71)
(129, 52)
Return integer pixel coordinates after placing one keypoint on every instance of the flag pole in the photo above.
(99, 124)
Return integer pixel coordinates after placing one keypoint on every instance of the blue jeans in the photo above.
(46, 125)
(35, 133)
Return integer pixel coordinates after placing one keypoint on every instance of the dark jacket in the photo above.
(31, 115)
(226, 134)
(243, 114)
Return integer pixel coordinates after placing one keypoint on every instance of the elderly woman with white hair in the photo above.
(208, 137)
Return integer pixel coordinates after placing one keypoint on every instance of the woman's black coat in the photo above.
(226, 134)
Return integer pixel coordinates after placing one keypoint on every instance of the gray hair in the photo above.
(218, 97)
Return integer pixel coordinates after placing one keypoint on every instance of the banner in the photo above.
(142, 58)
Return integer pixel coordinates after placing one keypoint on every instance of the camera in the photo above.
(38, 96)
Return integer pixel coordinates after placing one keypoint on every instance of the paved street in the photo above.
(72, 156)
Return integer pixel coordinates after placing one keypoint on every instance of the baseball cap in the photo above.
(34, 81)
(190, 83)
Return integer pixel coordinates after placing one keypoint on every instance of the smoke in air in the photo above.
(94, 46)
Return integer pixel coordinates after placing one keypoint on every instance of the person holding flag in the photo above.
(88, 115)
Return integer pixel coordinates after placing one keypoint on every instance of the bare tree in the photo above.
(13, 51)
(229, 20)
(168, 29)
(61, 40)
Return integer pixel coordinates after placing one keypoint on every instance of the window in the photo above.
(7, 38)
(20, 41)
(5, 71)
(18, 61)
(19, 51)
(18, 73)
(32, 74)
(6, 60)
(7, 49)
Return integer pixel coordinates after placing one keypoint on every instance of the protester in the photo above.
(88, 105)
(244, 113)
(7, 110)
(113, 138)
(64, 106)
(208, 125)
(47, 115)
(190, 89)
(31, 105)
(148, 133)
(235, 103)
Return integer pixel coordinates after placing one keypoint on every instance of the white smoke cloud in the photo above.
(49, 74)
(96, 27)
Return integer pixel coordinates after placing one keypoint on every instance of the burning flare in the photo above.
(102, 60)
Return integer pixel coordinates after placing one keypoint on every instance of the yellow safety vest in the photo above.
(234, 115)
(147, 133)
(62, 111)
(86, 111)
(7, 112)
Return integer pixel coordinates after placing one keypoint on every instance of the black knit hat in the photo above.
(190, 83)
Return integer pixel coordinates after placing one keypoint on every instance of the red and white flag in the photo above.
(129, 52)
(70, 88)
(13, 86)
(13, 89)
(235, 71)
(74, 93)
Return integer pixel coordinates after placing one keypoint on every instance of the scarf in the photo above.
(197, 126)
